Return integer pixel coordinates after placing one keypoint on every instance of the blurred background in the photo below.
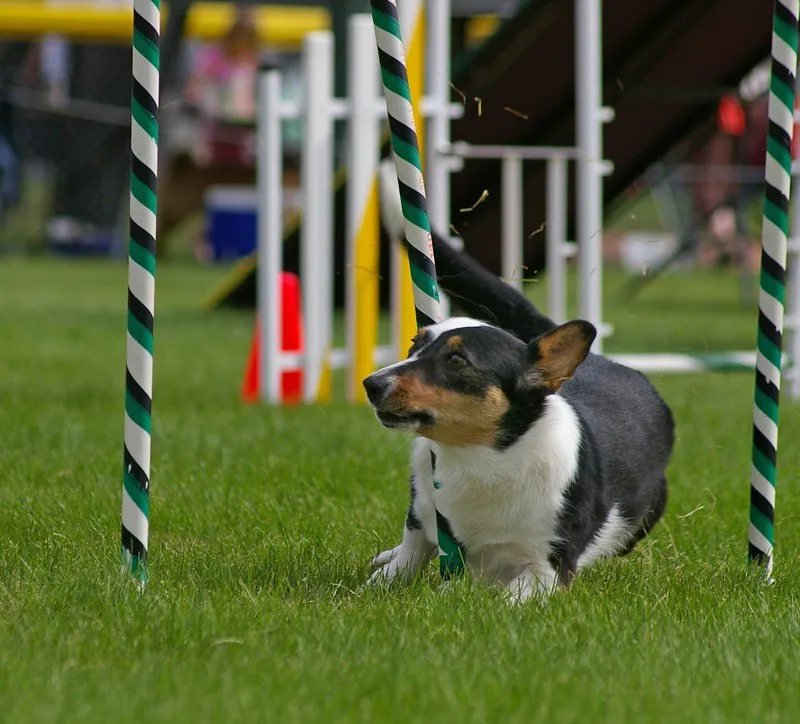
(686, 85)
(64, 123)
(64, 91)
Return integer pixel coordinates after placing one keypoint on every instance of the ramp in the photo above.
(666, 64)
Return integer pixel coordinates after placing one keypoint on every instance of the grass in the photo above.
(263, 521)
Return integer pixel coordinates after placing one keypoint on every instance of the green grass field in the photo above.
(263, 522)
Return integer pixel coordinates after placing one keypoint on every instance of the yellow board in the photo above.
(415, 65)
(277, 26)
(325, 389)
(407, 322)
(367, 279)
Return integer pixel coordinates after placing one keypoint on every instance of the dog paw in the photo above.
(386, 557)
(391, 566)
(529, 586)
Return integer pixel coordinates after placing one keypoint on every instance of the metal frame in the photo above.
(319, 109)
(444, 157)
(555, 225)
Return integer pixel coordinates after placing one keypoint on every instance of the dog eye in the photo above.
(456, 360)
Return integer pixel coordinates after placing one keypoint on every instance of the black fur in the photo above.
(482, 295)
(627, 429)
(493, 359)
(628, 434)
(412, 521)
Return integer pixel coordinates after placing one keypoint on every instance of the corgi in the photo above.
(542, 456)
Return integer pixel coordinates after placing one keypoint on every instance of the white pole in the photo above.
(362, 160)
(270, 232)
(407, 12)
(437, 173)
(588, 84)
(555, 238)
(316, 239)
(511, 252)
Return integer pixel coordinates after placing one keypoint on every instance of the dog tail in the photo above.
(481, 294)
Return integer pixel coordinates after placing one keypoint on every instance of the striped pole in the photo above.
(418, 242)
(775, 229)
(412, 27)
(141, 287)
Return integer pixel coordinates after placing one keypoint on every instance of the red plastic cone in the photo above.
(291, 341)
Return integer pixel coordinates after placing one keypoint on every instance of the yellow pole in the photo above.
(367, 277)
(325, 387)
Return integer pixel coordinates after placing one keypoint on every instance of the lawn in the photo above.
(263, 521)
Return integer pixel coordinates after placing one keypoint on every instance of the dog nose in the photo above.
(376, 386)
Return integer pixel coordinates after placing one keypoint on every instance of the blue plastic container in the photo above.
(231, 217)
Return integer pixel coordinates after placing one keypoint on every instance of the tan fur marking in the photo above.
(419, 335)
(461, 420)
(454, 342)
(560, 353)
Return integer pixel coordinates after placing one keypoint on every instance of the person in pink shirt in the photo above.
(222, 86)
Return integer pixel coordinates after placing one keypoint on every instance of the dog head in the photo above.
(468, 383)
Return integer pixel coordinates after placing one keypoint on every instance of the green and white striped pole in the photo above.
(418, 242)
(141, 287)
(775, 230)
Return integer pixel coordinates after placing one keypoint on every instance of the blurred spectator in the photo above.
(54, 60)
(9, 159)
(738, 142)
(222, 85)
(753, 152)
(93, 158)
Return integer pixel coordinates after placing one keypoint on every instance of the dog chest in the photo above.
(516, 516)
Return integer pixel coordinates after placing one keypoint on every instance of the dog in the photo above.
(542, 456)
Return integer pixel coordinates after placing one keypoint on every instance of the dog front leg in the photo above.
(419, 542)
(535, 581)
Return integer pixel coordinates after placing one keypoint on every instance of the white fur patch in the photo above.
(436, 331)
(609, 540)
(454, 323)
(504, 505)
(530, 583)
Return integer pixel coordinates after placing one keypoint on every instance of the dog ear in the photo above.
(555, 355)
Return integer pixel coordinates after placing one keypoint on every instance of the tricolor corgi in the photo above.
(546, 457)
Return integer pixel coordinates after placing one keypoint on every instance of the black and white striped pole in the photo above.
(775, 230)
(141, 287)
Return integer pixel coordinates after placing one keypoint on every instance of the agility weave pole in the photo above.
(418, 242)
(775, 230)
(141, 287)
(412, 19)
(363, 208)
